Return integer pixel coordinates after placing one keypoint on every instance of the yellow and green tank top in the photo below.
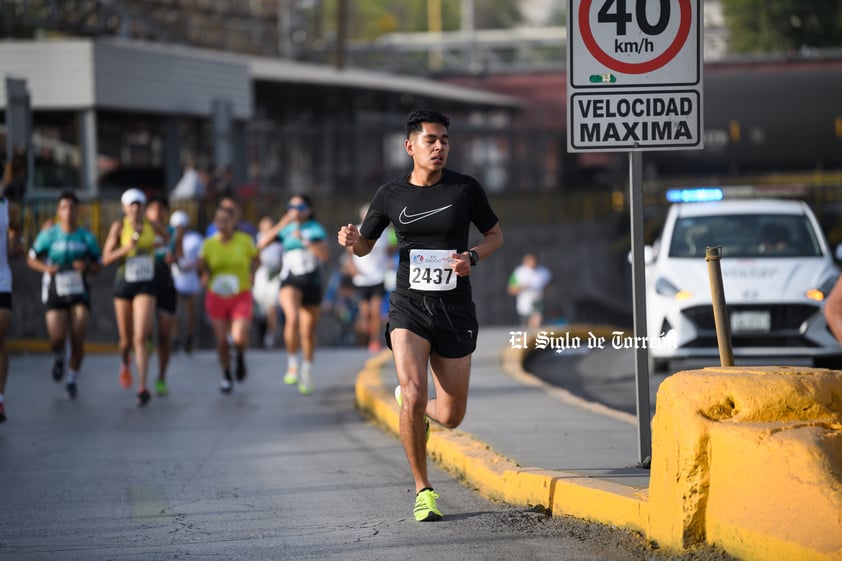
(146, 242)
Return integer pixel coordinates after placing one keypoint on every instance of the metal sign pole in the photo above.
(617, 88)
(641, 352)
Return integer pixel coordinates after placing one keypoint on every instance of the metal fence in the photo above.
(335, 209)
(353, 159)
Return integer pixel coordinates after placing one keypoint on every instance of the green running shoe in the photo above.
(291, 377)
(305, 384)
(425, 506)
(161, 387)
(400, 404)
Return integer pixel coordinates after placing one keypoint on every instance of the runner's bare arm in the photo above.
(38, 265)
(112, 251)
(492, 239)
(14, 238)
(272, 234)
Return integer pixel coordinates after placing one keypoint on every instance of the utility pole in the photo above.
(436, 60)
(341, 34)
(285, 29)
(467, 24)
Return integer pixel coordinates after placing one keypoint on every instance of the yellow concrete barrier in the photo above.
(749, 459)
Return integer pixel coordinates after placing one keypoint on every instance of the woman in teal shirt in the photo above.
(67, 253)
(305, 249)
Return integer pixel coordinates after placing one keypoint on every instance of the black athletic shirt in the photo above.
(434, 217)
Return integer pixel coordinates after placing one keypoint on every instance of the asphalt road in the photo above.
(261, 474)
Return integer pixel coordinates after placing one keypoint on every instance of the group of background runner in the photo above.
(146, 246)
(162, 263)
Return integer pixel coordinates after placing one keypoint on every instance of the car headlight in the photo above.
(666, 288)
(820, 293)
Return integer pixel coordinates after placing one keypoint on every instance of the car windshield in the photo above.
(746, 235)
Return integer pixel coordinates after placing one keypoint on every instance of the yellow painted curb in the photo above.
(499, 478)
(43, 346)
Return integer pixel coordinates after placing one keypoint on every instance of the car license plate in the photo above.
(755, 321)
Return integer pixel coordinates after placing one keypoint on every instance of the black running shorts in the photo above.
(56, 302)
(368, 292)
(309, 284)
(166, 298)
(125, 290)
(449, 324)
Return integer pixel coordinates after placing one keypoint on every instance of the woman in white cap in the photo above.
(131, 240)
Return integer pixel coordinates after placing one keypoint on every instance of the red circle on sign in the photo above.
(640, 67)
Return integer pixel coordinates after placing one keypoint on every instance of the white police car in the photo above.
(776, 267)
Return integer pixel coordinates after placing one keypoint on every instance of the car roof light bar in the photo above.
(694, 195)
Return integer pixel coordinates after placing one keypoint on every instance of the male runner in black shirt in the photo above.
(432, 318)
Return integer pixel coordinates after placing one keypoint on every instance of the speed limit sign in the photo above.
(634, 75)
(633, 43)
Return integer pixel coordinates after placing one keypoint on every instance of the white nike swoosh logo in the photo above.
(410, 218)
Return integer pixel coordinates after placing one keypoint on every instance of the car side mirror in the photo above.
(838, 253)
(649, 255)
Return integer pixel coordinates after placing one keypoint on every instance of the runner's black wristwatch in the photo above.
(474, 257)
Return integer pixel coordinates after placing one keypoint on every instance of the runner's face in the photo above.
(224, 222)
(429, 147)
(67, 212)
(134, 211)
(232, 206)
(156, 212)
(299, 209)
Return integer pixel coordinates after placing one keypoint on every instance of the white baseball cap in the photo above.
(131, 196)
(179, 219)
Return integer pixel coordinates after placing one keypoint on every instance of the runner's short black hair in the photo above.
(163, 200)
(69, 195)
(413, 122)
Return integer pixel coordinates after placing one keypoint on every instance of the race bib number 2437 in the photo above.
(429, 269)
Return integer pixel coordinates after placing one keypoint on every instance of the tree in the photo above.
(756, 26)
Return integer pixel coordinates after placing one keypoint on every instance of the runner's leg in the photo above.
(125, 327)
(143, 315)
(57, 328)
(166, 324)
(374, 307)
(309, 319)
(290, 298)
(221, 328)
(79, 315)
(451, 377)
(5, 318)
(411, 353)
